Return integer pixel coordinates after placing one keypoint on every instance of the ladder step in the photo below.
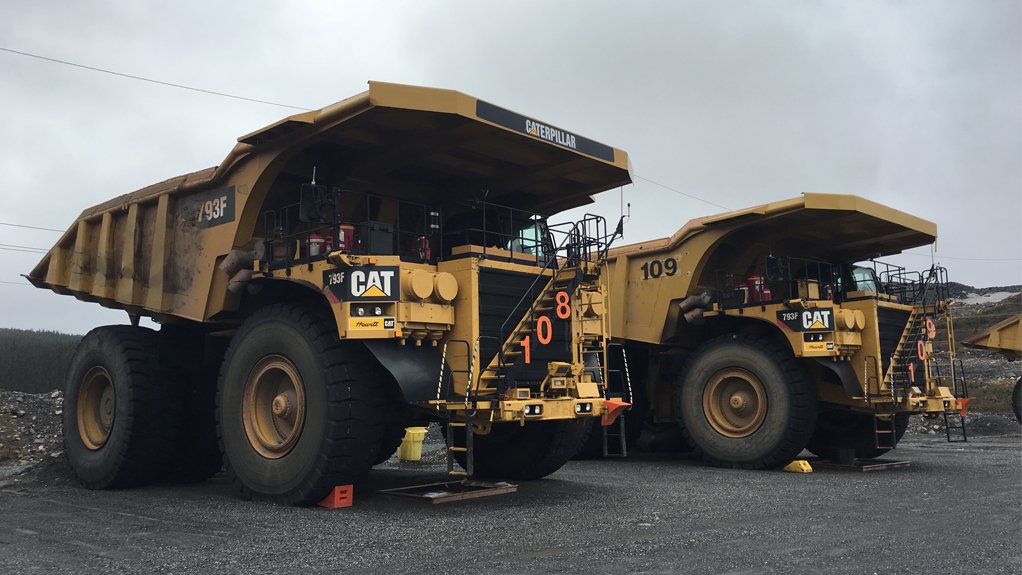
(456, 424)
(458, 473)
(458, 449)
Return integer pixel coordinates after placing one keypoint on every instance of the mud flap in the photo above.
(845, 373)
(416, 369)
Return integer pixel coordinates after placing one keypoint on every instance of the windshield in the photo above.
(865, 279)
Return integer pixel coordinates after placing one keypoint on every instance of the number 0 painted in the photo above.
(541, 337)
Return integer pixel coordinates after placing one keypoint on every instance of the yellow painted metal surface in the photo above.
(1004, 337)
(823, 226)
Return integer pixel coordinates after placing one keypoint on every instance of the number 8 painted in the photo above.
(563, 309)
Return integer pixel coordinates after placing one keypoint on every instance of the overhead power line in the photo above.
(30, 227)
(938, 256)
(151, 80)
(24, 247)
(28, 251)
(16, 283)
(686, 194)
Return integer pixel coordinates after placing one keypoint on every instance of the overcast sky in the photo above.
(914, 104)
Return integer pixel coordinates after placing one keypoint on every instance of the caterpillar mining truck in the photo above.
(381, 262)
(761, 333)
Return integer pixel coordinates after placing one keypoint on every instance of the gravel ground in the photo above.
(957, 507)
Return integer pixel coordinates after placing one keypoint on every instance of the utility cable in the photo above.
(938, 256)
(151, 80)
(29, 251)
(686, 194)
(30, 227)
(24, 247)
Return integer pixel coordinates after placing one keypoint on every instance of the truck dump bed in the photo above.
(817, 226)
(156, 251)
(1004, 337)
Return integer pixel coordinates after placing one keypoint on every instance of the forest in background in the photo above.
(34, 361)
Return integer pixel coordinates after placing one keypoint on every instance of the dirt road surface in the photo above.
(956, 508)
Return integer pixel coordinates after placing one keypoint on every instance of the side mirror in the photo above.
(310, 204)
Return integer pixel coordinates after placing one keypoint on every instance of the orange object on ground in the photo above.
(340, 496)
(965, 405)
(614, 408)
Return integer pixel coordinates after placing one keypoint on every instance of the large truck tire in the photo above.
(840, 429)
(392, 438)
(298, 411)
(199, 456)
(744, 402)
(1016, 400)
(194, 371)
(533, 451)
(122, 416)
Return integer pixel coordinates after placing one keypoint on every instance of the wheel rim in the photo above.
(96, 408)
(735, 403)
(273, 407)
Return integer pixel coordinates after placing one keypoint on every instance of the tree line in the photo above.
(35, 361)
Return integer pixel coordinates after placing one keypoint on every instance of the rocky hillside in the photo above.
(989, 375)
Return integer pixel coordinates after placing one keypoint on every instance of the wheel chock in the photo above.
(340, 496)
(799, 466)
(614, 408)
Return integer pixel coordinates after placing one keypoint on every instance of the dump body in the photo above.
(1004, 338)
(155, 251)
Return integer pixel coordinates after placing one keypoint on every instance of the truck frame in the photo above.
(345, 272)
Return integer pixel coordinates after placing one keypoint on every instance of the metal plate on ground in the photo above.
(449, 491)
(858, 464)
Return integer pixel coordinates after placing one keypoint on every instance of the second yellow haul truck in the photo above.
(760, 335)
(343, 273)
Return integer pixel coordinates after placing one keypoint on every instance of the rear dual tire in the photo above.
(841, 429)
(121, 418)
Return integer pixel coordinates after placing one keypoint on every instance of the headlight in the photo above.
(360, 311)
(377, 310)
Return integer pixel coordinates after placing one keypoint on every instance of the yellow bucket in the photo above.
(411, 445)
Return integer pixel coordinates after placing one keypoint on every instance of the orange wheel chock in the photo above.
(615, 407)
(964, 403)
(340, 496)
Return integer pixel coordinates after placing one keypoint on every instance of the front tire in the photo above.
(744, 402)
(298, 411)
(121, 414)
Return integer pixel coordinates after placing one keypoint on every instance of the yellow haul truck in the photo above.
(1006, 339)
(759, 334)
(343, 273)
